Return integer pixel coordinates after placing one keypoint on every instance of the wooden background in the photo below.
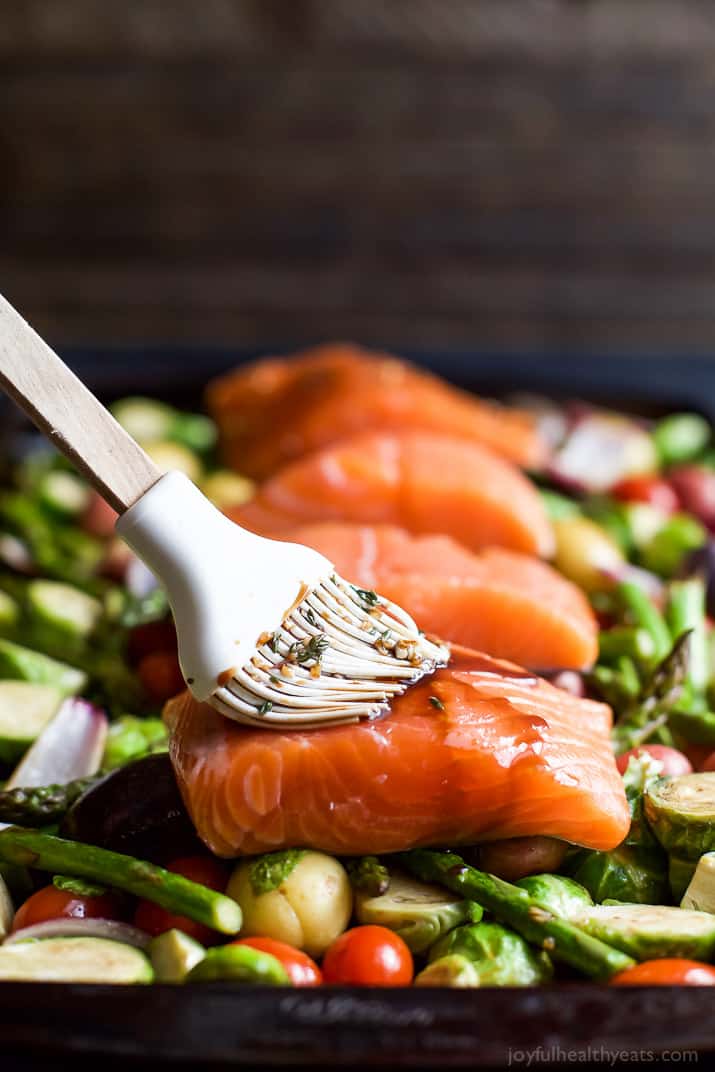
(500, 174)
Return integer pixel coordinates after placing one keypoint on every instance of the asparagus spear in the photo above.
(644, 615)
(686, 613)
(369, 875)
(173, 892)
(648, 714)
(42, 804)
(514, 906)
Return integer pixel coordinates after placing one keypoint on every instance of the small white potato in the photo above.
(309, 908)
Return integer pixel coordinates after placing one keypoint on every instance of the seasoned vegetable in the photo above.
(514, 907)
(453, 971)
(130, 738)
(681, 812)
(368, 875)
(585, 553)
(63, 494)
(137, 809)
(69, 898)
(173, 954)
(513, 858)
(40, 805)
(686, 614)
(61, 615)
(155, 919)
(25, 710)
(647, 931)
(239, 964)
(501, 957)
(368, 956)
(700, 893)
(173, 892)
(635, 873)
(301, 969)
(562, 896)
(74, 960)
(22, 664)
(70, 746)
(304, 899)
(665, 553)
(418, 912)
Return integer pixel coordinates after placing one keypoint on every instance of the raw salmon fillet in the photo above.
(477, 752)
(502, 602)
(277, 409)
(424, 482)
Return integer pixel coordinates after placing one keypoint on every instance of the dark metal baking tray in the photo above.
(217, 1025)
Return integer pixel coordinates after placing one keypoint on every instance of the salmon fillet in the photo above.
(424, 482)
(275, 410)
(502, 602)
(479, 751)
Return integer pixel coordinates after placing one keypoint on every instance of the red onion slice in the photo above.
(70, 746)
(82, 928)
(601, 450)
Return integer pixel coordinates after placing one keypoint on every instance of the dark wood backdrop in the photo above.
(488, 173)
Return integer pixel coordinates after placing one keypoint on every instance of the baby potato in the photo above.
(308, 909)
(585, 552)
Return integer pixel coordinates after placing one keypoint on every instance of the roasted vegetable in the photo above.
(631, 873)
(501, 957)
(25, 710)
(680, 437)
(239, 964)
(514, 907)
(41, 805)
(648, 931)
(453, 971)
(137, 810)
(130, 738)
(173, 954)
(418, 912)
(563, 896)
(368, 875)
(44, 852)
(302, 898)
(18, 663)
(74, 960)
(681, 812)
(680, 874)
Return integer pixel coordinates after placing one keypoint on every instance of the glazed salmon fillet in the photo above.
(478, 751)
(502, 602)
(276, 410)
(423, 482)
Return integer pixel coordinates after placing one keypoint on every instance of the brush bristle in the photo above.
(341, 654)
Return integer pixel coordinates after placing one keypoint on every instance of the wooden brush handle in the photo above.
(69, 414)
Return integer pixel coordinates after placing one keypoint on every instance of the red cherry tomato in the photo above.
(708, 764)
(51, 903)
(695, 488)
(99, 517)
(648, 489)
(154, 919)
(368, 956)
(150, 637)
(670, 971)
(302, 971)
(161, 676)
(674, 762)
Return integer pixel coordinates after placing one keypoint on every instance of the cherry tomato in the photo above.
(154, 919)
(99, 517)
(670, 971)
(368, 956)
(51, 903)
(160, 674)
(302, 970)
(648, 489)
(695, 488)
(150, 637)
(674, 762)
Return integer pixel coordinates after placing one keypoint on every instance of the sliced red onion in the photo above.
(651, 584)
(139, 579)
(70, 746)
(82, 928)
(15, 554)
(601, 450)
